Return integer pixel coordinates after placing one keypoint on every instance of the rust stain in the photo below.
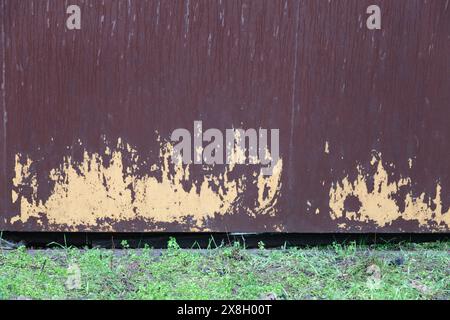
(89, 192)
(381, 205)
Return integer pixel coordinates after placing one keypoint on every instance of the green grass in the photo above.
(404, 271)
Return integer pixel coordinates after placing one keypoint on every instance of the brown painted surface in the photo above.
(363, 115)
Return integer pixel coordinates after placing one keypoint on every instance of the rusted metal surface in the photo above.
(363, 115)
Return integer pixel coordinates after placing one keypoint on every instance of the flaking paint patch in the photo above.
(380, 206)
(90, 193)
(269, 189)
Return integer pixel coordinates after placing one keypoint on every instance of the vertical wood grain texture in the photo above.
(363, 115)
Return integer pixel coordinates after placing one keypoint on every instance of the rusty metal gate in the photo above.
(293, 116)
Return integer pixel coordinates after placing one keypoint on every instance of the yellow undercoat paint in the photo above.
(87, 193)
(270, 184)
(379, 206)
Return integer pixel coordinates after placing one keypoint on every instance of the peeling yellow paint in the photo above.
(379, 205)
(14, 196)
(93, 194)
(237, 153)
(270, 184)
